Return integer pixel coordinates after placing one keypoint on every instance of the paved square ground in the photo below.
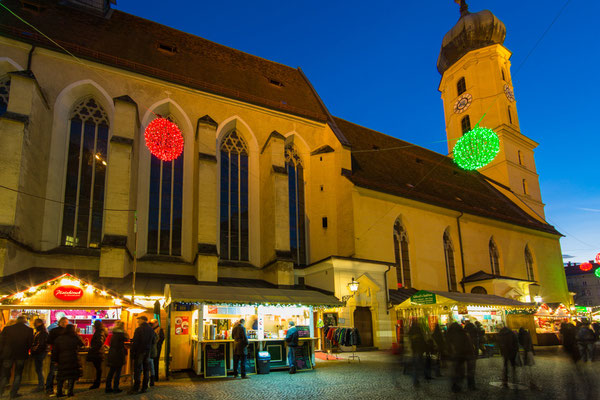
(377, 376)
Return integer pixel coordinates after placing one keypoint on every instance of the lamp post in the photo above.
(353, 288)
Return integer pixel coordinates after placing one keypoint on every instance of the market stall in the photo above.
(67, 296)
(548, 321)
(201, 319)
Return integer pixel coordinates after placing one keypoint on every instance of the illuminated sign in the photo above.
(68, 293)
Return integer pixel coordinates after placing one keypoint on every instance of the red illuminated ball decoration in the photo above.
(586, 266)
(598, 258)
(164, 139)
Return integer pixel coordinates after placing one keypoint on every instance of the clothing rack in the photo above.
(330, 343)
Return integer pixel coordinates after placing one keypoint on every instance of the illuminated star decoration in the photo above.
(164, 139)
(476, 149)
(586, 266)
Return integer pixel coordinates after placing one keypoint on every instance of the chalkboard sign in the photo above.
(215, 365)
(251, 359)
(303, 358)
(303, 331)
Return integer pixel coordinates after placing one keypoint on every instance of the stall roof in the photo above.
(247, 295)
(470, 299)
(399, 295)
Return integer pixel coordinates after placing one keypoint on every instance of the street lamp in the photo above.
(353, 288)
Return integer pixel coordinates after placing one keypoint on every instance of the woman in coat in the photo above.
(65, 354)
(96, 353)
(39, 349)
(117, 355)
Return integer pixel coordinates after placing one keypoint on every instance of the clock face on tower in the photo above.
(462, 103)
(509, 93)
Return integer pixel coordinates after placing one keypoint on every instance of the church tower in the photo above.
(476, 80)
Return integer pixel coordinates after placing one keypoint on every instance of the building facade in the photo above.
(270, 187)
(585, 284)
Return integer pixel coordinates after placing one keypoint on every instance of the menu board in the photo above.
(251, 359)
(303, 331)
(215, 365)
(303, 359)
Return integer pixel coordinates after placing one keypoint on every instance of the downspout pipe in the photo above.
(387, 291)
(462, 255)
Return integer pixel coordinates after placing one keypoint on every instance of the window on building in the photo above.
(529, 263)
(461, 86)
(86, 172)
(295, 170)
(525, 187)
(234, 198)
(503, 76)
(165, 205)
(494, 258)
(520, 156)
(4, 92)
(478, 290)
(401, 253)
(584, 283)
(450, 266)
(465, 124)
(509, 115)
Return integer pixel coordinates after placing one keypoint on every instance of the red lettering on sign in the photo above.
(68, 293)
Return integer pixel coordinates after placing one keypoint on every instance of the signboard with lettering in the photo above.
(251, 359)
(303, 331)
(303, 361)
(423, 297)
(68, 293)
(215, 365)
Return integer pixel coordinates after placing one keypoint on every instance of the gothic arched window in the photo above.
(295, 172)
(529, 263)
(165, 204)
(4, 92)
(234, 198)
(494, 258)
(465, 124)
(86, 172)
(509, 115)
(461, 86)
(450, 266)
(401, 253)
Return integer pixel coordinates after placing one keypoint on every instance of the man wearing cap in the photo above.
(240, 348)
(140, 354)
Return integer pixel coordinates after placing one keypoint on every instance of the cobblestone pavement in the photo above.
(377, 376)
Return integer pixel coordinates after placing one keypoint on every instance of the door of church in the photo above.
(364, 324)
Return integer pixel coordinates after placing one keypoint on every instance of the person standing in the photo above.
(96, 352)
(586, 338)
(569, 340)
(15, 342)
(440, 347)
(153, 353)
(292, 342)
(460, 350)
(418, 347)
(53, 334)
(117, 354)
(140, 354)
(481, 337)
(65, 354)
(240, 348)
(39, 350)
(509, 348)
(160, 333)
(473, 333)
(528, 361)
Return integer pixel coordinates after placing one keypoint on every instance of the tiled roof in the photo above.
(423, 175)
(399, 295)
(132, 43)
(484, 276)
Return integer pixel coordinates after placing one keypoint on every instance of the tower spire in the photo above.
(464, 8)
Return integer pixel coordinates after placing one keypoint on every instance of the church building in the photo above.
(271, 190)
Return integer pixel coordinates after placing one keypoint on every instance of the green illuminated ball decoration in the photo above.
(597, 272)
(476, 149)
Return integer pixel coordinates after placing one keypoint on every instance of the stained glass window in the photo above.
(86, 173)
(401, 254)
(295, 170)
(529, 264)
(450, 266)
(494, 258)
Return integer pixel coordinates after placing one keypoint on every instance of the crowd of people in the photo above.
(460, 346)
(18, 342)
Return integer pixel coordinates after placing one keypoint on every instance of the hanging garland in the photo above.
(164, 139)
(476, 149)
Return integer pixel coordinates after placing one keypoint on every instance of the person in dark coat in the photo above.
(240, 348)
(160, 333)
(440, 346)
(418, 348)
(586, 338)
(53, 334)
(460, 350)
(569, 340)
(473, 333)
(140, 354)
(509, 349)
(480, 337)
(39, 350)
(65, 354)
(96, 353)
(527, 346)
(116, 357)
(15, 342)
(291, 338)
(153, 353)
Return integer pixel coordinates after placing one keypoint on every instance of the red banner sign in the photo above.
(68, 293)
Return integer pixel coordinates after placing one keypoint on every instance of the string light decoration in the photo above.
(586, 266)
(164, 139)
(476, 149)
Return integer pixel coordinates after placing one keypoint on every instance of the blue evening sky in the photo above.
(374, 63)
